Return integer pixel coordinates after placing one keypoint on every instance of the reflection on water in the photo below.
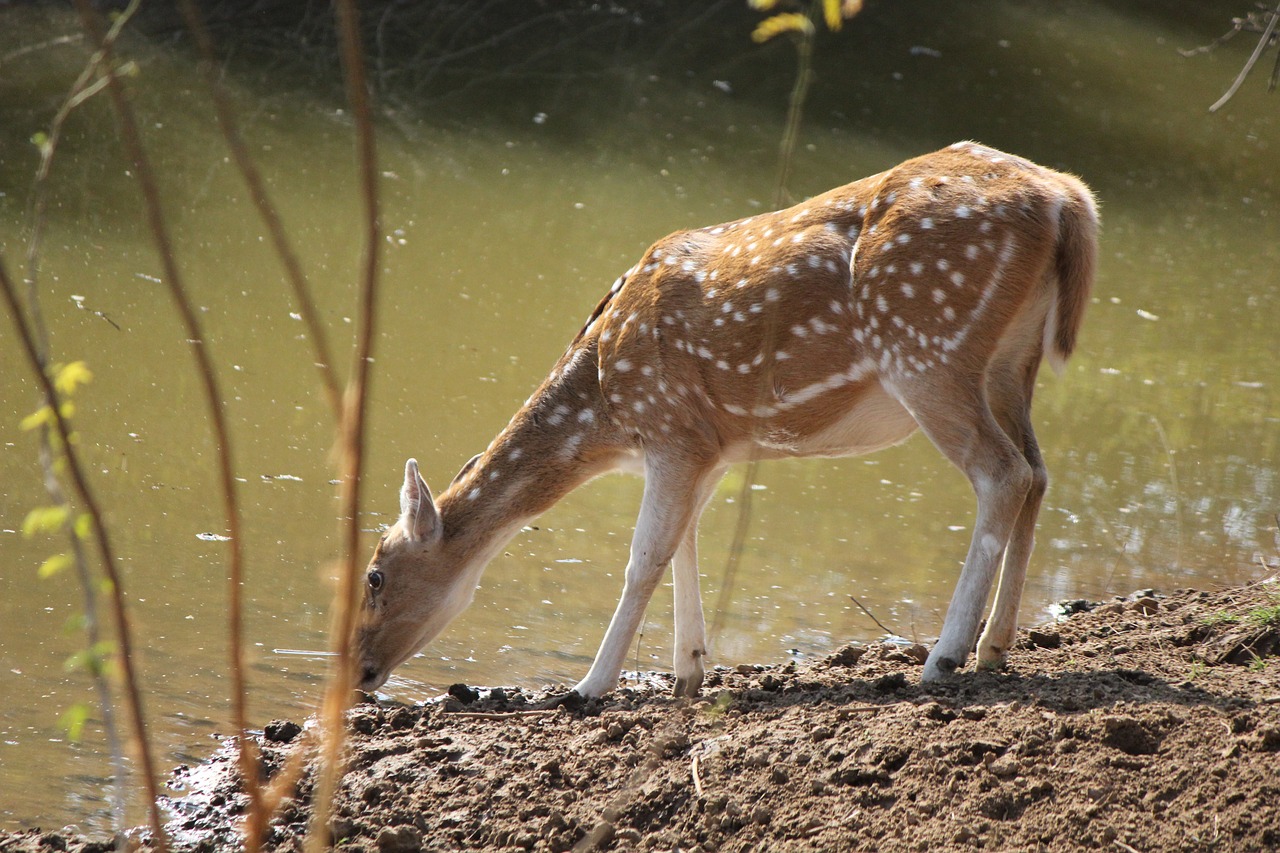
(1161, 439)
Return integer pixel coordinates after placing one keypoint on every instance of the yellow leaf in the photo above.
(45, 519)
(40, 417)
(68, 377)
(785, 23)
(83, 526)
(53, 565)
(762, 5)
(832, 12)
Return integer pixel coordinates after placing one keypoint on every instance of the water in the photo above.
(1161, 438)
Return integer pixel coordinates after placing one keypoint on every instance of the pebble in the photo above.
(1045, 639)
(281, 731)
(400, 839)
(464, 694)
(1005, 767)
(1145, 606)
(849, 655)
(820, 733)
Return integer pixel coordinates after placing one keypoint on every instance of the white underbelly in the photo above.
(874, 422)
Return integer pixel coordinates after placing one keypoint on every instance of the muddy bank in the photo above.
(1149, 723)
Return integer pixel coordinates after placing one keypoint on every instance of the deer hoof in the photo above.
(687, 687)
(992, 660)
(939, 668)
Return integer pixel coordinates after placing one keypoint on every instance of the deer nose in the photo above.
(368, 676)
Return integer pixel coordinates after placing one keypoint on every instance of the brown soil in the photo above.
(1149, 723)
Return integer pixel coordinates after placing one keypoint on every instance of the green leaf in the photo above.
(92, 660)
(73, 720)
(83, 526)
(54, 565)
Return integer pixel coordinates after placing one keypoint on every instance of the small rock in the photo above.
(936, 711)
(820, 733)
(400, 839)
(281, 731)
(1045, 639)
(600, 837)
(1145, 606)
(849, 655)
(53, 841)
(365, 722)
(890, 683)
(1005, 767)
(497, 694)
(761, 814)
(779, 775)
(341, 827)
(463, 693)
(917, 653)
(554, 822)
(1267, 739)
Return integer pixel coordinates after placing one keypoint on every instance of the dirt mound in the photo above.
(1149, 723)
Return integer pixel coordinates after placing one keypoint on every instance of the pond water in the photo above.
(1161, 438)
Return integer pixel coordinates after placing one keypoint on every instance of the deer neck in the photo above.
(559, 439)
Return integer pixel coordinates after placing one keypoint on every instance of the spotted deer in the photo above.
(924, 296)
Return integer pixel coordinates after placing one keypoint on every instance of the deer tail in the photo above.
(1074, 263)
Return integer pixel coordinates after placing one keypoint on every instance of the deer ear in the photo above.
(471, 463)
(418, 513)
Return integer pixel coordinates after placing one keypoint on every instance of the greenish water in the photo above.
(1161, 438)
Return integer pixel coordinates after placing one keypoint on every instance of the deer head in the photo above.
(413, 586)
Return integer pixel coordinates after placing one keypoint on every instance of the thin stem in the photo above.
(352, 439)
(1253, 58)
(80, 91)
(795, 112)
(786, 154)
(266, 209)
(213, 397)
(87, 499)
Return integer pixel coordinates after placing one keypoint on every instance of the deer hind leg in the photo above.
(691, 626)
(964, 428)
(666, 515)
(1011, 400)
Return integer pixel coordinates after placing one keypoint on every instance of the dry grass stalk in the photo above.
(351, 438)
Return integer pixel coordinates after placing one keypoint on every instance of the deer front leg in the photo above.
(666, 515)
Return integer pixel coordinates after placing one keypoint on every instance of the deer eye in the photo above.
(375, 580)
